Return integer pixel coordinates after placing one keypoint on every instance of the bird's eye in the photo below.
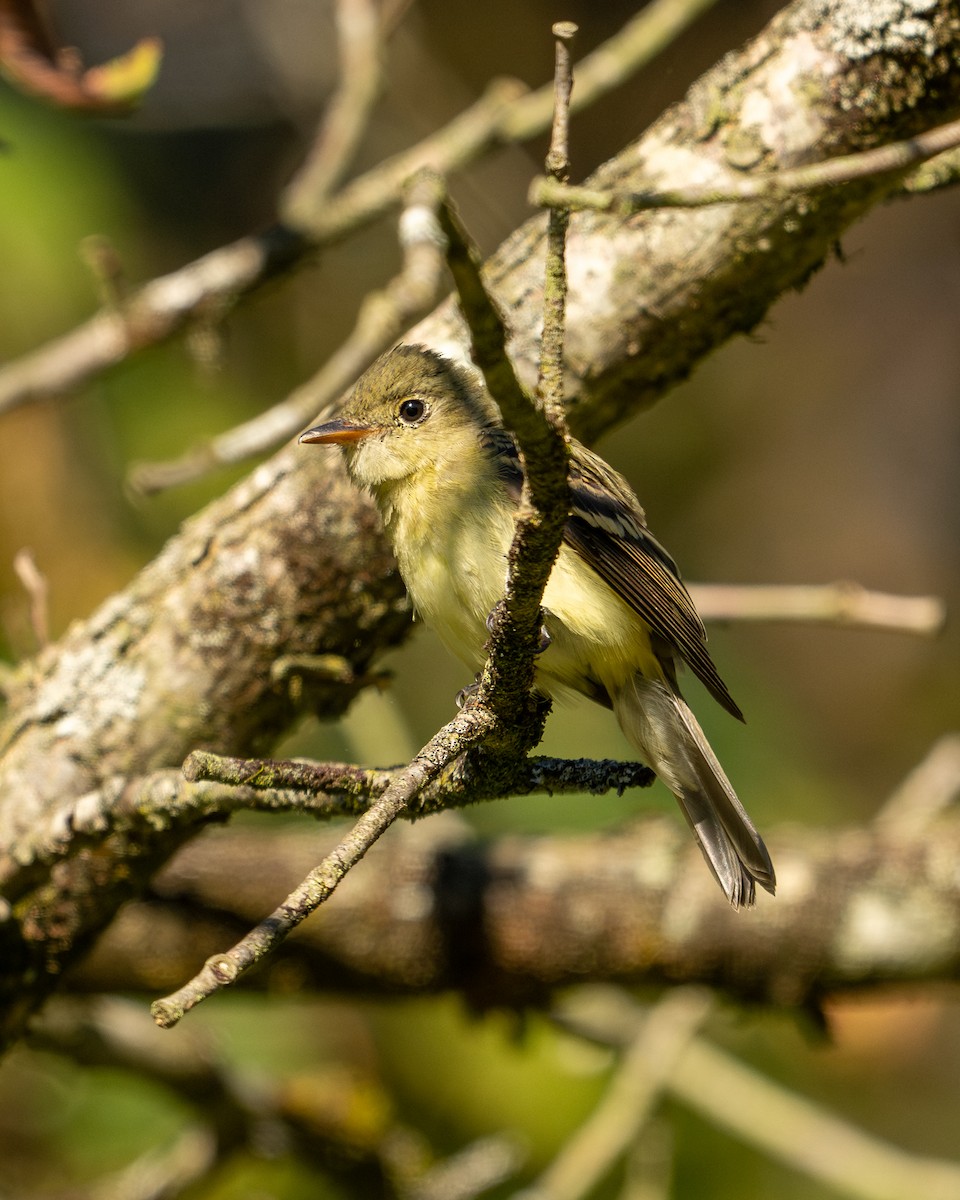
(412, 411)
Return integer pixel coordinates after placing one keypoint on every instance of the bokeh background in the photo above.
(825, 446)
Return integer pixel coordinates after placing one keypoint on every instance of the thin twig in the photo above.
(515, 622)
(642, 1075)
(842, 603)
(928, 790)
(104, 263)
(765, 1114)
(550, 382)
(236, 1114)
(222, 970)
(477, 1168)
(552, 776)
(541, 434)
(847, 168)
(153, 314)
(35, 584)
(347, 114)
(383, 316)
(804, 1135)
(540, 431)
(645, 36)
(648, 1170)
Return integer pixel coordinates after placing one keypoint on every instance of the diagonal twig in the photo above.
(832, 172)
(640, 1080)
(347, 115)
(383, 316)
(222, 970)
(515, 634)
(763, 1113)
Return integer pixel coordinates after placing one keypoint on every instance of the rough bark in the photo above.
(505, 922)
(290, 560)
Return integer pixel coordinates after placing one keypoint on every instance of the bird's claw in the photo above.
(545, 638)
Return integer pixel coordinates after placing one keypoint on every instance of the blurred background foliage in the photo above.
(826, 446)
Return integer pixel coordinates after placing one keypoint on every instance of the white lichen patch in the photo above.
(887, 931)
(89, 813)
(412, 902)
(109, 686)
(778, 107)
(671, 165)
(797, 879)
(655, 869)
(867, 27)
(547, 871)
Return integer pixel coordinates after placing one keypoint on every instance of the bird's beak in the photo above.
(338, 432)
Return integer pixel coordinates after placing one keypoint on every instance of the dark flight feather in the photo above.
(608, 529)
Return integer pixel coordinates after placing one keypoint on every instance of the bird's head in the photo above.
(412, 410)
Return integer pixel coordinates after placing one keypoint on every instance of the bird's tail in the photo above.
(667, 736)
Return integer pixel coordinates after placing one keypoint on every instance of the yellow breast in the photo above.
(453, 558)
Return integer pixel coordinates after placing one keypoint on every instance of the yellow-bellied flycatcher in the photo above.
(426, 441)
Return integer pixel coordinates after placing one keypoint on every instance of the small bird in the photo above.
(426, 441)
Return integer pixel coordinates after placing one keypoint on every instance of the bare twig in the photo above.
(348, 112)
(654, 28)
(847, 168)
(930, 788)
(222, 970)
(934, 175)
(477, 1168)
(648, 1173)
(154, 313)
(234, 1113)
(643, 1073)
(105, 265)
(168, 1172)
(382, 318)
(550, 382)
(540, 429)
(35, 584)
(553, 776)
(770, 1117)
(165, 801)
(843, 603)
(802, 1134)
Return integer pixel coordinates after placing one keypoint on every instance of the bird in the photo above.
(422, 436)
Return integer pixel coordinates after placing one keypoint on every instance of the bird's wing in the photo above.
(608, 529)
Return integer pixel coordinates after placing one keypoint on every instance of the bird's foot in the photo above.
(545, 638)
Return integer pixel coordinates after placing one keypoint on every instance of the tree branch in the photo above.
(857, 908)
(892, 159)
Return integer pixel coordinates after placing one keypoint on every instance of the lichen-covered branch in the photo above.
(509, 921)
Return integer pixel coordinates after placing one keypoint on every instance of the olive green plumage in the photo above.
(420, 434)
